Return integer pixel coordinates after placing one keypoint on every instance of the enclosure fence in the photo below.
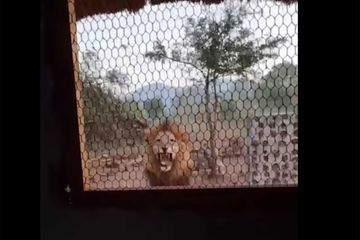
(188, 95)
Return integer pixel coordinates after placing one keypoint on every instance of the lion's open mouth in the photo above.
(165, 161)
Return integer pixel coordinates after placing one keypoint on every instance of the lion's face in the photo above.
(165, 148)
(168, 155)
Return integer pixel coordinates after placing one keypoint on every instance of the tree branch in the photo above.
(186, 63)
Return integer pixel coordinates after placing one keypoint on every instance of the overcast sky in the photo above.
(122, 39)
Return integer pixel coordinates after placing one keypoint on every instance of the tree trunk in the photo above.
(212, 161)
(216, 102)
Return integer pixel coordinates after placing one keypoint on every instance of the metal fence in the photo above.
(188, 95)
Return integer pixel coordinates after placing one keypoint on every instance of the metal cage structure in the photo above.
(185, 94)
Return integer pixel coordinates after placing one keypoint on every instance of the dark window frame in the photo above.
(60, 58)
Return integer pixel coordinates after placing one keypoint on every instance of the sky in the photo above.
(122, 39)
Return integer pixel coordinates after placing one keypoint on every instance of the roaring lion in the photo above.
(169, 161)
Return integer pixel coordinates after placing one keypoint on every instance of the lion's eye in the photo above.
(172, 140)
(158, 140)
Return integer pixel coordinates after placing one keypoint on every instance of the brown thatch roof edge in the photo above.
(85, 8)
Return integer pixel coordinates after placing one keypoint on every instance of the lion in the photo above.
(169, 161)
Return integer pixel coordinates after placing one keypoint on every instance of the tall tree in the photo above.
(216, 48)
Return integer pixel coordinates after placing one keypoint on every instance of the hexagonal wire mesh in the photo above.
(188, 95)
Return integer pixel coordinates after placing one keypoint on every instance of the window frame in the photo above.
(61, 58)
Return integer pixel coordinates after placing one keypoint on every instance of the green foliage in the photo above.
(155, 109)
(217, 47)
(278, 86)
(103, 112)
(115, 76)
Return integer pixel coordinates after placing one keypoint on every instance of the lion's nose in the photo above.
(164, 149)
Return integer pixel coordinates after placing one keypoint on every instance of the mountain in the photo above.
(278, 88)
(284, 73)
(155, 90)
(175, 96)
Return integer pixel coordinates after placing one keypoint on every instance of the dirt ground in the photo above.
(116, 173)
(123, 166)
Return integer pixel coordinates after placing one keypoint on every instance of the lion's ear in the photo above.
(184, 137)
(147, 132)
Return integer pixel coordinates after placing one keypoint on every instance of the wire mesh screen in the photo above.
(188, 95)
